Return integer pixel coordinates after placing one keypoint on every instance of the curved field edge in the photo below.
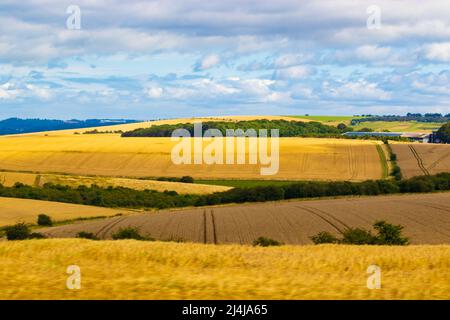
(9, 178)
(36, 269)
(15, 210)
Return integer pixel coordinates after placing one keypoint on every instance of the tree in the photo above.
(18, 231)
(44, 220)
(444, 133)
(389, 234)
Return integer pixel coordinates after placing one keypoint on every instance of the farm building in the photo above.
(415, 136)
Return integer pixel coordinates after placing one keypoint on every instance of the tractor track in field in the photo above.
(310, 210)
(435, 163)
(419, 160)
(106, 228)
(213, 224)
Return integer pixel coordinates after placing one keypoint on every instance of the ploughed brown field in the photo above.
(426, 218)
(422, 159)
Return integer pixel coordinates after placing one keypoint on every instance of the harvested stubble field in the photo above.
(111, 155)
(14, 210)
(426, 218)
(128, 269)
(10, 178)
(422, 159)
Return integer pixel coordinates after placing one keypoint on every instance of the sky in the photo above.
(181, 58)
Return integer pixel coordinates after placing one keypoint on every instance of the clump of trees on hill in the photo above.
(286, 128)
(130, 198)
(443, 133)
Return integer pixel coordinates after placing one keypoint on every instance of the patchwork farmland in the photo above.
(426, 218)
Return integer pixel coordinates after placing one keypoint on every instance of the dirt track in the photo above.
(426, 218)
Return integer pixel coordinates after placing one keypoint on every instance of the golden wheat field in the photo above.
(10, 178)
(425, 218)
(36, 269)
(112, 155)
(14, 210)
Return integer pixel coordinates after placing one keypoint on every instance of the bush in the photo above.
(86, 235)
(187, 179)
(389, 234)
(44, 220)
(129, 233)
(18, 231)
(36, 235)
(266, 242)
(324, 237)
(358, 236)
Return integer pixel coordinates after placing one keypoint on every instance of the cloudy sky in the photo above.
(157, 59)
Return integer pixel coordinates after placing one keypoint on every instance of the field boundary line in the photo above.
(384, 164)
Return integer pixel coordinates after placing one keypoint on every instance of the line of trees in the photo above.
(130, 198)
(286, 128)
(427, 117)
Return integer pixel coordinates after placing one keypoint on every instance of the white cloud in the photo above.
(207, 62)
(296, 72)
(438, 51)
(360, 89)
(8, 91)
(154, 92)
(40, 92)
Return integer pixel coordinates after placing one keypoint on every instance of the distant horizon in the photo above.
(206, 116)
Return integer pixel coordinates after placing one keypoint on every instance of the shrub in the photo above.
(18, 231)
(86, 235)
(324, 237)
(389, 234)
(266, 242)
(36, 235)
(358, 236)
(44, 220)
(129, 233)
(187, 179)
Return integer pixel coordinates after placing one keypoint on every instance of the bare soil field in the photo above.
(14, 210)
(112, 155)
(422, 159)
(426, 218)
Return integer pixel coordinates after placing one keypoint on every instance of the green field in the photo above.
(331, 120)
(400, 126)
(393, 126)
